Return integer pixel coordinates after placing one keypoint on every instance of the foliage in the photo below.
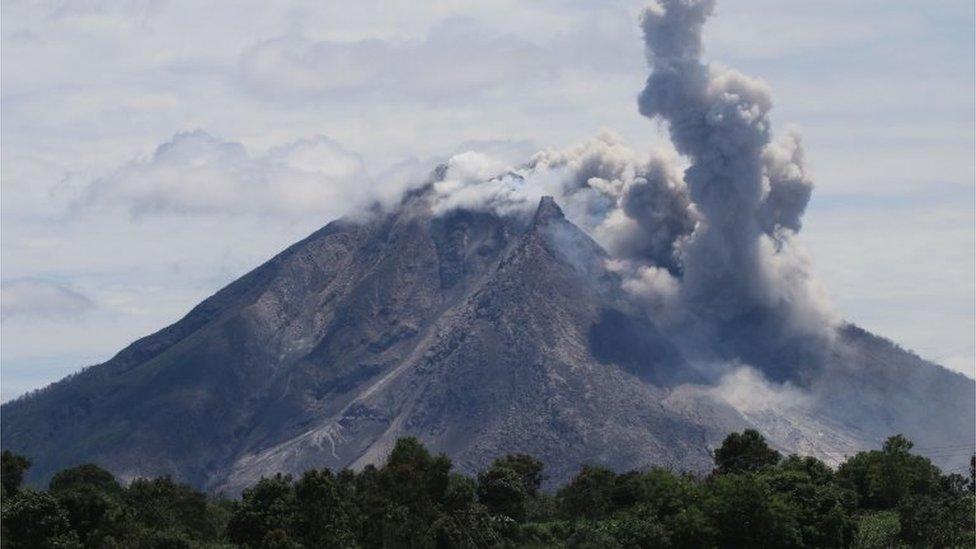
(12, 469)
(589, 495)
(526, 467)
(744, 452)
(501, 490)
(91, 497)
(883, 478)
(877, 530)
(753, 498)
(35, 520)
(164, 505)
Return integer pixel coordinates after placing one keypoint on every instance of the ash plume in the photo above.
(750, 191)
(710, 244)
(705, 243)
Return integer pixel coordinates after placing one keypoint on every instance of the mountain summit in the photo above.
(479, 333)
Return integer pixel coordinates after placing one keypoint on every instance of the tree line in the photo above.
(754, 497)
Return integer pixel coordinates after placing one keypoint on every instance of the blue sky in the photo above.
(154, 150)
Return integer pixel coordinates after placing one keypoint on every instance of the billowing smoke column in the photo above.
(709, 249)
(750, 192)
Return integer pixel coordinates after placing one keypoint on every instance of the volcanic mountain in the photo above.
(668, 306)
(479, 333)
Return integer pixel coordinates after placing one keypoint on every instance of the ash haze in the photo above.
(155, 150)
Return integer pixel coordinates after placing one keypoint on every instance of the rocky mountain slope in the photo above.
(480, 333)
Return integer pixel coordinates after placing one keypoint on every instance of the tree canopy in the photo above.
(753, 498)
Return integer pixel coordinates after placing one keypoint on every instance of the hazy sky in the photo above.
(154, 150)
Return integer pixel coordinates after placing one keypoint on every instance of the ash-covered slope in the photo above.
(537, 354)
(481, 334)
(404, 323)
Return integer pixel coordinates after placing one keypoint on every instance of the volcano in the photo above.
(479, 333)
(665, 307)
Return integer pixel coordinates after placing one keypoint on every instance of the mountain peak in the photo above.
(474, 333)
(548, 210)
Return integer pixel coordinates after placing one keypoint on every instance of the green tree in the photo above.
(163, 505)
(323, 511)
(527, 467)
(503, 492)
(472, 527)
(589, 495)
(941, 519)
(266, 507)
(755, 499)
(92, 499)
(85, 475)
(592, 535)
(882, 478)
(413, 477)
(12, 468)
(461, 492)
(822, 511)
(817, 471)
(279, 539)
(674, 501)
(405, 497)
(746, 513)
(98, 519)
(659, 488)
(34, 520)
(744, 452)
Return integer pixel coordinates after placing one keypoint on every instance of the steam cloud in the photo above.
(639, 210)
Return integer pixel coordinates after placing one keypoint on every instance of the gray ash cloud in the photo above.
(703, 239)
(750, 191)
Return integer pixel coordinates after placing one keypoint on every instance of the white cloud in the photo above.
(458, 58)
(197, 173)
(27, 298)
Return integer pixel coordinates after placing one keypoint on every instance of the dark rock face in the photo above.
(634, 344)
(478, 333)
